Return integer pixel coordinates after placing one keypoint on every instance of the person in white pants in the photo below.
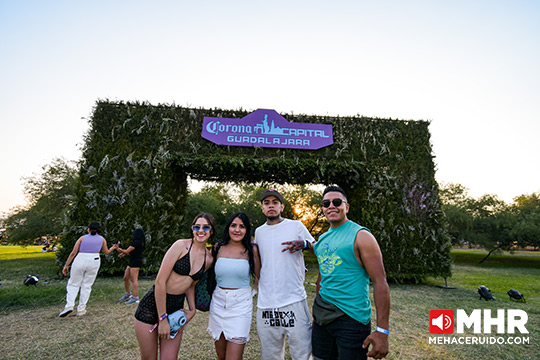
(84, 269)
(282, 310)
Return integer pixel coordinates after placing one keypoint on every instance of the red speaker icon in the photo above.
(441, 321)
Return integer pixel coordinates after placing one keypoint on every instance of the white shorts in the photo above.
(230, 313)
(293, 322)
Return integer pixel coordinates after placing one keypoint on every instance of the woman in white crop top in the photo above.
(232, 303)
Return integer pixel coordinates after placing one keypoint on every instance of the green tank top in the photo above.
(344, 282)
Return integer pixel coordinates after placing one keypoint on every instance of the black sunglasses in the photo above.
(206, 228)
(337, 202)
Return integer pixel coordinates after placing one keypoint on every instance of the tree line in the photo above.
(486, 222)
(50, 195)
(489, 222)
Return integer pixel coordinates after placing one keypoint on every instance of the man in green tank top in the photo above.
(349, 256)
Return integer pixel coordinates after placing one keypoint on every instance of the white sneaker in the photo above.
(66, 311)
(81, 313)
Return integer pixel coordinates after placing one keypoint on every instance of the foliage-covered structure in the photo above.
(137, 157)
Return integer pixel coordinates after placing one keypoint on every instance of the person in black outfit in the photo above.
(181, 268)
(131, 275)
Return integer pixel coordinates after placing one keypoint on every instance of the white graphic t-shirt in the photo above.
(282, 273)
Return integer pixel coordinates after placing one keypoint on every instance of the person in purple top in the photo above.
(86, 262)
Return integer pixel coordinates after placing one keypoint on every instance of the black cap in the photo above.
(272, 192)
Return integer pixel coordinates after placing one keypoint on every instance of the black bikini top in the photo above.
(182, 266)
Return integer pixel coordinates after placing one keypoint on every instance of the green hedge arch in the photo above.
(137, 156)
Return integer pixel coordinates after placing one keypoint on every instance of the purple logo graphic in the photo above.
(266, 128)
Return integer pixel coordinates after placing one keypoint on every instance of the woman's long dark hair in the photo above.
(138, 234)
(246, 241)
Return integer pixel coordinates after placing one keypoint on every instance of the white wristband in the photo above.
(381, 330)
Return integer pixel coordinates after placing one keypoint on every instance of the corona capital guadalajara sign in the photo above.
(267, 128)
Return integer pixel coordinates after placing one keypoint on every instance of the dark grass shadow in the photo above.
(506, 260)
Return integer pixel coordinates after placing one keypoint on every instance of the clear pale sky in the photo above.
(472, 68)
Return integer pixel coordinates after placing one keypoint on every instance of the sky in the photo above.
(471, 68)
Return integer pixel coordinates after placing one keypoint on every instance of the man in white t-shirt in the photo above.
(282, 310)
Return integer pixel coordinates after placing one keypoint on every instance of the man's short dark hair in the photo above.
(334, 188)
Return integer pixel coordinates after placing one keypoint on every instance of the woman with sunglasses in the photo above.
(231, 308)
(183, 265)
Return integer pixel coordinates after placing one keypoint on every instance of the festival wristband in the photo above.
(161, 318)
(381, 330)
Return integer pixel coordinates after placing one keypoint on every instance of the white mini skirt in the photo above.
(231, 313)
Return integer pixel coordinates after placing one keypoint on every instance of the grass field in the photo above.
(32, 329)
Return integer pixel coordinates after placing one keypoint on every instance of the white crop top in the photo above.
(232, 273)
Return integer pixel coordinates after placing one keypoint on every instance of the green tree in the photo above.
(492, 221)
(49, 195)
(489, 222)
(526, 231)
(224, 199)
(456, 206)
